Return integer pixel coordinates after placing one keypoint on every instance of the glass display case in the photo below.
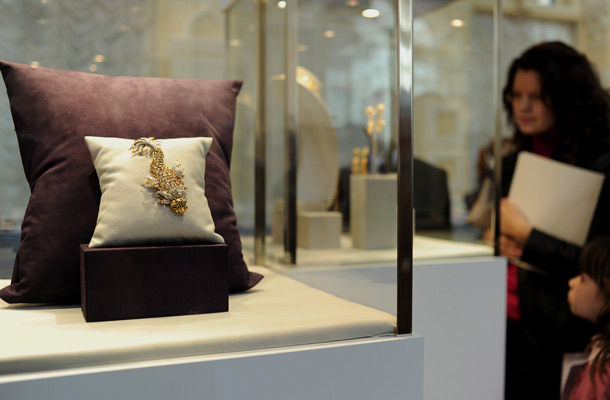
(335, 119)
(323, 131)
(344, 104)
(347, 126)
(158, 40)
(347, 56)
(454, 95)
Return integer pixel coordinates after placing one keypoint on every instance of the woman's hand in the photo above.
(508, 247)
(513, 223)
(514, 230)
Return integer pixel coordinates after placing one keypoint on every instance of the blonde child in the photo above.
(589, 298)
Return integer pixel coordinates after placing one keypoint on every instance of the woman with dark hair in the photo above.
(559, 110)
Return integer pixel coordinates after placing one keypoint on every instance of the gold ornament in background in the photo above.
(364, 160)
(380, 121)
(374, 118)
(167, 182)
(375, 123)
(356, 161)
(370, 117)
(360, 160)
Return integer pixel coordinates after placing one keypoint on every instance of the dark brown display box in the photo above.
(143, 282)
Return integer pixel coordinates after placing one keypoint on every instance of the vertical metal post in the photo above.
(495, 222)
(290, 136)
(403, 118)
(260, 136)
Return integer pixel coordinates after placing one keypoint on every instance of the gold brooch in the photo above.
(167, 182)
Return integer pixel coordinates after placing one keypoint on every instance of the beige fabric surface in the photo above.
(278, 312)
(129, 212)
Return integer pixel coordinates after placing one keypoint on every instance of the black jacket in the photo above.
(543, 293)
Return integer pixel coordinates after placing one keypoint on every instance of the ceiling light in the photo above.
(370, 13)
(457, 23)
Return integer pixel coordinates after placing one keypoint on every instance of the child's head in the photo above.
(589, 298)
(589, 294)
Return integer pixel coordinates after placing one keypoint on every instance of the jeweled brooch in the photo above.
(166, 182)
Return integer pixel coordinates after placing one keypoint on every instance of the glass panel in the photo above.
(241, 52)
(178, 38)
(347, 54)
(344, 58)
(454, 114)
(263, 70)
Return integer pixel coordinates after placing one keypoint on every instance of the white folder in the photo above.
(557, 198)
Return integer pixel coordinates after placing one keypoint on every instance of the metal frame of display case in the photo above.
(404, 132)
(290, 137)
(260, 142)
(497, 141)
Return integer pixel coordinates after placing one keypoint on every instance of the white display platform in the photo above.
(319, 230)
(279, 311)
(372, 217)
(384, 368)
(282, 337)
(424, 248)
(459, 307)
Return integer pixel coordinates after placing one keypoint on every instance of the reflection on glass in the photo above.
(349, 55)
(454, 116)
(351, 71)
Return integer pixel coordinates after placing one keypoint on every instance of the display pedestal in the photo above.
(373, 211)
(281, 328)
(462, 321)
(369, 368)
(144, 282)
(319, 230)
(277, 216)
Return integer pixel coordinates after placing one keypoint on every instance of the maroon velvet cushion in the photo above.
(53, 111)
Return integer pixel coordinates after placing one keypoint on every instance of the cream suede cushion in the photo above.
(129, 213)
(280, 312)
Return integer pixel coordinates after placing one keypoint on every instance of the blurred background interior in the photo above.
(344, 55)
